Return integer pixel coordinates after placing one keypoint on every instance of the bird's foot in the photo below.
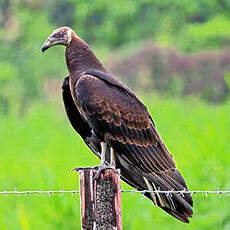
(102, 168)
(85, 168)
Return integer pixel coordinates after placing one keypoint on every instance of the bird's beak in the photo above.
(52, 41)
(46, 45)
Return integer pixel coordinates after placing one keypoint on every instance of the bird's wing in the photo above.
(121, 118)
(118, 116)
(78, 123)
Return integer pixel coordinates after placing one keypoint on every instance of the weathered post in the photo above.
(100, 200)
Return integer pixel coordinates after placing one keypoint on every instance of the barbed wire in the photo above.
(62, 191)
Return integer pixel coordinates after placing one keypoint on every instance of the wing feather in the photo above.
(122, 120)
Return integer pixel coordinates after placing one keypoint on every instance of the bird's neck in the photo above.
(80, 58)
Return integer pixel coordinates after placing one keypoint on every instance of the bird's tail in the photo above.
(176, 204)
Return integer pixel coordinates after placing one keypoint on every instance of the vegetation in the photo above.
(167, 48)
(39, 152)
(106, 25)
(169, 72)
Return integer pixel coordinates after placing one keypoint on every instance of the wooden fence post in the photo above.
(100, 200)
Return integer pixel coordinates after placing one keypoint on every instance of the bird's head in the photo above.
(60, 36)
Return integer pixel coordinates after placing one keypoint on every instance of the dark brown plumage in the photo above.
(103, 109)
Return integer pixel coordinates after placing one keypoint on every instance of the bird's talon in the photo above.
(102, 168)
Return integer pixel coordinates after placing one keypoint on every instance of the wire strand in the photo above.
(49, 192)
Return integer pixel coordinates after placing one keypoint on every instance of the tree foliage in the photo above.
(187, 25)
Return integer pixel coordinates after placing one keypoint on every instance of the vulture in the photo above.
(117, 126)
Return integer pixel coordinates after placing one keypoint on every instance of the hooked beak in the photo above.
(46, 45)
(51, 41)
(44, 48)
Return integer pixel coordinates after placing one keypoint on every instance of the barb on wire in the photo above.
(62, 191)
(37, 192)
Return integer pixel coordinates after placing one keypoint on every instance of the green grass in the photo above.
(39, 151)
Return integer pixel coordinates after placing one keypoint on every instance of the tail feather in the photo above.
(178, 216)
(177, 205)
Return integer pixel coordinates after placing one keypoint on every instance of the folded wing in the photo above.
(118, 117)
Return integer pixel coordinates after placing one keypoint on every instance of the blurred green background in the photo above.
(175, 55)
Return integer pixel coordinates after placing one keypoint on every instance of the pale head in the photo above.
(60, 36)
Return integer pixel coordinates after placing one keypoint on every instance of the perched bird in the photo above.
(117, 126)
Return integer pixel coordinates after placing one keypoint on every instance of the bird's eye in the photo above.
(60, 34)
